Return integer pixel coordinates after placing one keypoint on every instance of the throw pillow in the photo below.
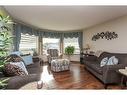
(13, 70)
(104, 61)
(112, 61)
(98, 53)
(27, 59)
(14, 58)
(21, 65)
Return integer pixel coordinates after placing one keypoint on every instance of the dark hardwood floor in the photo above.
(76, 78)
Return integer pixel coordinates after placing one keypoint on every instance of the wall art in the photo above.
(105, 35)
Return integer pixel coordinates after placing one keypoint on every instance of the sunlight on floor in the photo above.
(46, 76)
(76, 73)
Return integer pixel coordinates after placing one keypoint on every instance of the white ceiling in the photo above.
(63, 18)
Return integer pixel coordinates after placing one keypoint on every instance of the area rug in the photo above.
(32, 86)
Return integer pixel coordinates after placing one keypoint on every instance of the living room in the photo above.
(100, 36)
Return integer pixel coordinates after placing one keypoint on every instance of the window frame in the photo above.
(59, 42)
(71, 45)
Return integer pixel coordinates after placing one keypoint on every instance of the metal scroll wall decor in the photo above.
(105, 35)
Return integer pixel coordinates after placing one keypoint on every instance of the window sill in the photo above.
(72, 54)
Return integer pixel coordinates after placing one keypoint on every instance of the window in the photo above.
(72, 42)
(28, 43)
(50, 43)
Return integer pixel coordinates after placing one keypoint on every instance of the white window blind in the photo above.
(28, 42)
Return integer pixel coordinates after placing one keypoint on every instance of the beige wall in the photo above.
(2, 12)
(118, 25)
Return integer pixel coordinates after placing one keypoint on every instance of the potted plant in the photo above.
(69, 50)
(5, 38)
(5, 42)
(3, 83)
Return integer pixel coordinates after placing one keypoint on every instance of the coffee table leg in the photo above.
(122, 82)
(39, 84)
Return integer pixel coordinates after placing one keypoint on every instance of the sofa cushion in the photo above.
(13, 58)
(90, 58)
(97, 68)
(34, 68)
(103, 55)
(12, 70)
(94, 66)
(17, 82)
(34, 65)
(122, 58)
(34, 71)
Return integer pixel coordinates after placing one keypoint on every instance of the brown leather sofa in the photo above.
(107, 74)
(34, 71)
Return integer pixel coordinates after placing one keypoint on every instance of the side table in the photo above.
(84, 57)
(81, 58)
(123, 72)
(37, 58)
